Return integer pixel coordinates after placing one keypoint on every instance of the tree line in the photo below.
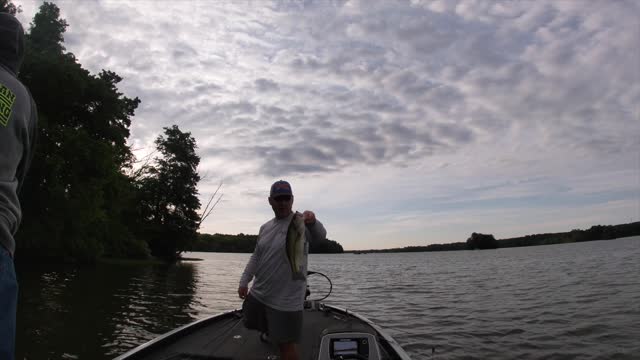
(488, 241)
(85, 197)
(596, 232)
(243, 243)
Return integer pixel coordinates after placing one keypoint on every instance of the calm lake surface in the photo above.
(572, 301)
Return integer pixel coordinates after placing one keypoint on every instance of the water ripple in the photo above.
(572, 301)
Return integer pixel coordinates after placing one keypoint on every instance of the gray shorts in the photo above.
(281, 326)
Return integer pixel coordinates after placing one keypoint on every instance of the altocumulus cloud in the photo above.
(318, 88)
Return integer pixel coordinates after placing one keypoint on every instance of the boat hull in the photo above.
(327, 330)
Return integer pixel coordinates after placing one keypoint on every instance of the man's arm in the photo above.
(249, 271)
(247, 275)
(315, 227)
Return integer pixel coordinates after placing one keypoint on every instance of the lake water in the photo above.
(571, 301)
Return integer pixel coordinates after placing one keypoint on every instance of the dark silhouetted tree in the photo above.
(6, 6)
(325, 246)
(76, 195)
(482, 241)
(169, 195)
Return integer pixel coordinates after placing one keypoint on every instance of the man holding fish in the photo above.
(278, 267)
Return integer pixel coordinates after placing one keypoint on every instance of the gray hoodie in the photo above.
(18, 120)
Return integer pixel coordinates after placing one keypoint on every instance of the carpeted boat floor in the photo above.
(227, 338)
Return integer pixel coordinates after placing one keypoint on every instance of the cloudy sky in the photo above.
(399, 123)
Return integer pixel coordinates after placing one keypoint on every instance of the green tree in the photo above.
(47, 29)
(75, 195)
(482, 241)
(6, 6)
(169, 195)
(325, 246)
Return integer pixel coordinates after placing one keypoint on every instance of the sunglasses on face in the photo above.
(285, 198)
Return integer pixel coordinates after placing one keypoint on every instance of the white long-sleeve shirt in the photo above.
(269, 267)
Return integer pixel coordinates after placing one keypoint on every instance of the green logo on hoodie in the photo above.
(7, 99)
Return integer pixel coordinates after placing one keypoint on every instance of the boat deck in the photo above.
(225, 337)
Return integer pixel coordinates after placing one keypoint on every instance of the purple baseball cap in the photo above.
(280, 187)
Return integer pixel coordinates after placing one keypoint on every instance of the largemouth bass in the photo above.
(295, 246)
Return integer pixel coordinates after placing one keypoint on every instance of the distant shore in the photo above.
(596, 232)
(243, 243)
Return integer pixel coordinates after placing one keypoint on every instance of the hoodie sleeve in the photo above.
(29, 145)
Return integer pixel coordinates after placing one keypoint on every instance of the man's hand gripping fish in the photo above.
(295, 245)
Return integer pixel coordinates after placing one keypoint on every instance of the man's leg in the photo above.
(254, 314)
(8, 305)
(285, 329)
